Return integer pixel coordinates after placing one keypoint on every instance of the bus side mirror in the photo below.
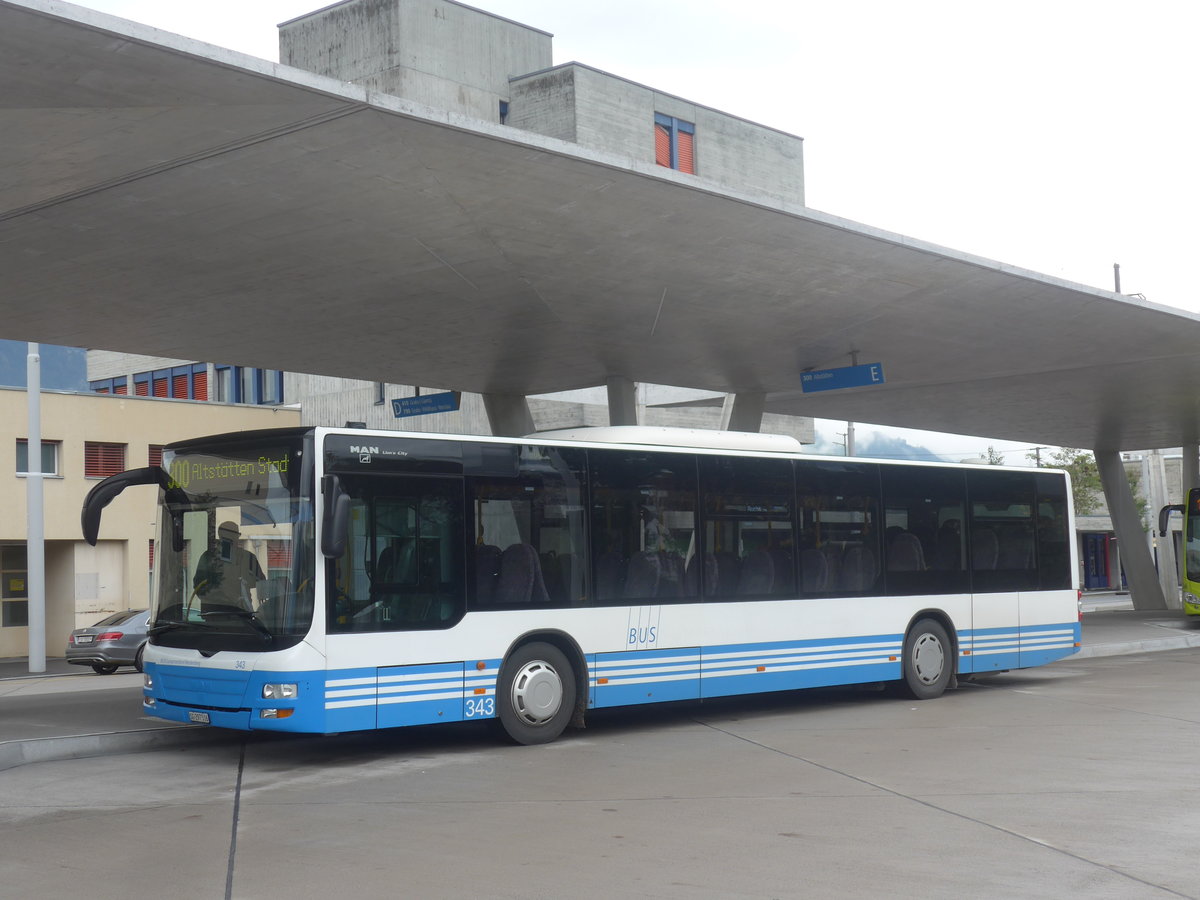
(1164, 514)
(335, 521)
(107, 490)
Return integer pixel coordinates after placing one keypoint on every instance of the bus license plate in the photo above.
(200, 718)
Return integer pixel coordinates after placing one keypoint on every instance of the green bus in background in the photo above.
(1191, 548)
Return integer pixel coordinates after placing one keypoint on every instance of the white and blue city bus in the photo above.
(329, 580)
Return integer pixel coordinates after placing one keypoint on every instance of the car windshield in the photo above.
(235, 556)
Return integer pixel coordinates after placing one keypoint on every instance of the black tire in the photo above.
(137, 660)
(535, 695)
(928, 661)
(103, 668)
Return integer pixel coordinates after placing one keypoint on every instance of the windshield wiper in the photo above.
(250, 617)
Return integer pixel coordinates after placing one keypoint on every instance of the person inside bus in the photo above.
(227, 573)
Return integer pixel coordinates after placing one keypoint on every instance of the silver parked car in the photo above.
(115, 641)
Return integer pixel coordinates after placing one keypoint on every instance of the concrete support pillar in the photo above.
(622, 401)
(508, 414)
(1191, 468)
(1144, 588)
(743, 412)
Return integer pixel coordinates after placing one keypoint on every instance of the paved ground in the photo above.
(1072, 779)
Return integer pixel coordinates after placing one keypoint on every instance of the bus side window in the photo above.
(527, 530)
(749, 531)
(839, 521)
(643, 526)
(1001, 523)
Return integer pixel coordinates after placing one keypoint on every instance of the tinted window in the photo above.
(643, 525)
(839, 528)
(924, 548)
(1002, 531)
(749, 542)
(1053, 536)
(119, 618)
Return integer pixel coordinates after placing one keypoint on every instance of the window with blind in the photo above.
(110, 386)
(188, 382)
(101, 460)
(674, 143)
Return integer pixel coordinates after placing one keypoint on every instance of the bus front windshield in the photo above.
(235, 555)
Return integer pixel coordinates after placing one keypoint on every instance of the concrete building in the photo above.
(86, 437)
(467, 62)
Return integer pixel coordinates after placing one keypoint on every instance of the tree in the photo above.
(1086, 489)
(994, 457)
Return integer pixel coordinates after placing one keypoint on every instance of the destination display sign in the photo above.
(846, 377)
(430, 403)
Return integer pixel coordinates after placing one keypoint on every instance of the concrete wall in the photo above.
(102, 364)
(84, 583)
(611, 114)
(436, 52)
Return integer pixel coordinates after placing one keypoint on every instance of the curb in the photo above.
(1151, 645)
(83, 746)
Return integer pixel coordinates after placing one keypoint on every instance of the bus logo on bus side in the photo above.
(643, 627)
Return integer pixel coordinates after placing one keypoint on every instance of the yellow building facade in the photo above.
(83, 437)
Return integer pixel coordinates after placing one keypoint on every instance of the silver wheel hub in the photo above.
(537, 692)
(928, 658)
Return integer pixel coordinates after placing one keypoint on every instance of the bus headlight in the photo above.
(147, 680)
(1191, 599)
(280, 691)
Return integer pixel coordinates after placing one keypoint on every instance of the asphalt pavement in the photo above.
(69, 712)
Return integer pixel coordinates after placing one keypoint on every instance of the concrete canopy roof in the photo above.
(167, 197)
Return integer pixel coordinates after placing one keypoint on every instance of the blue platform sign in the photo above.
(846, 377)
(430, 403)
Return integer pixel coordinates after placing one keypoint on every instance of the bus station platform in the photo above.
(69, 712)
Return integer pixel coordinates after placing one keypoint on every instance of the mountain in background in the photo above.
(880, 446)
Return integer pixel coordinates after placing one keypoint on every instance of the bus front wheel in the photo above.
(536, 694)
(928, 661)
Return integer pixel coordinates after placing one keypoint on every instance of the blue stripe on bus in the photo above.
(993, 649)
(363, 698)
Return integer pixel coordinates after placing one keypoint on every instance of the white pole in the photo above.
(35, 536)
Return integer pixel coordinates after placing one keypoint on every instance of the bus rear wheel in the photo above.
(535, 694)
(928, 661)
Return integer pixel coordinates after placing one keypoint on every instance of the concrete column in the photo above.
(743, 412)
(1155, 488)
(622, 401)
(508, 414)
(1191, 468)
(1144, 588)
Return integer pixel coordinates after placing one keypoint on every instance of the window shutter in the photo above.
(142, 388)
(662, 146)
(121, 389)
(154, 455)
(200, 385)
(179, 386)
(160, 387)
(686, 157)
(101, 460)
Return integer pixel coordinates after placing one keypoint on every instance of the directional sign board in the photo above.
(845, 377)
(430, 403)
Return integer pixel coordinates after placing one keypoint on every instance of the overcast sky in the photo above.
(1055, 135)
